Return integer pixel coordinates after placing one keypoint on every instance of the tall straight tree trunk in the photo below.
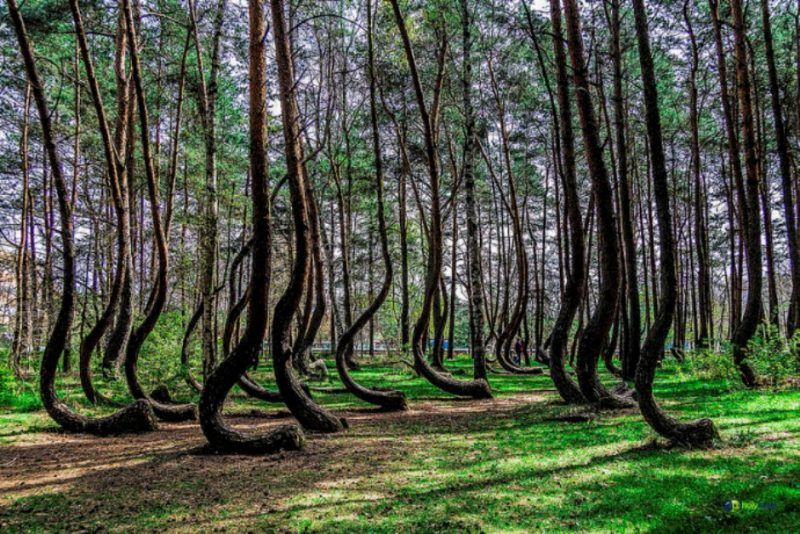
(22, 319)
(699, 433)
(704, 318)
(632, 332)
(750, 207)
(207, 100)
(784, 160)
(405, 321)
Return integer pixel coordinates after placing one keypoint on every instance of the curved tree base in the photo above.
(566, 387)
(283, 438)
(698, 434)
(190, 327)
(257, 391)
(311, 416)
(174, 413)
(746, 372)
(390, 400)
(225, 439)
(599, 396)
(608, 361)
(517, 370)
(249, 386)
(132, 419)
(611, 401)
(161, 394)
(477, 389)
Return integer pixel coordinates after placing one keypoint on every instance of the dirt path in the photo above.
(77, 482)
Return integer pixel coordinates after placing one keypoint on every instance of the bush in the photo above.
(770, 354)
(14, 394)
(773, 357)
(710, 364)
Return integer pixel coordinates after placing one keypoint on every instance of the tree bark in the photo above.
(478, 388)
(310, 415)
(596, 329)
(171, 412)
(784, 160)
(135, 417)
(699, 433)
(576, 275)
(752, 230)
(219, 434)
(391, 399)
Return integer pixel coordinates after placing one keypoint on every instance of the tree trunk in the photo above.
(392, 399)
(699, 433)
(177, 412)
(632, 332)
(784, 160)
(310, 415)
(704, 319)
(137, 416)
(576, 274)
(478, 388)
(221, 436)
(596, 330)
(752, 230)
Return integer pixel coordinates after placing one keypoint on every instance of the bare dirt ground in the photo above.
(79, 482)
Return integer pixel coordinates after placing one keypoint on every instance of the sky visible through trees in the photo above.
(213, 205)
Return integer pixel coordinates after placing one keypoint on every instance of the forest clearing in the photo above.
(400, 265)
(444, 465)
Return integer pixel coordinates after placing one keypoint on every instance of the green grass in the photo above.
(464, 468)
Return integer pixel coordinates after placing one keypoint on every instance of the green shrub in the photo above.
(769, 353)
(773, 357)
(15, 395)
(710, 364)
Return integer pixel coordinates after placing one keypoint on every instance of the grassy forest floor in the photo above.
(445, 465)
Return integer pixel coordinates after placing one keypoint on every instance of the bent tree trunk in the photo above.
(123, 138)
(167, 412)
(478, 388)
(752, 231)
(310, 415)
(136, 417)
(699, 433)
(391, 400)
(595, 332)
(506, 336)
(187, 336)
(633, 324)
(89, 343)
(576, 276)
(246, 383)
(219, 434)
(315, 296)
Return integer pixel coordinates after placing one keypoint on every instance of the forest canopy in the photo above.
(567, 213)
